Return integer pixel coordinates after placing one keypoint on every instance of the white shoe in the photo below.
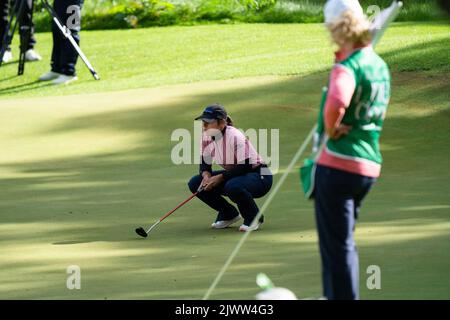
(64, 79)
(7, 56)
(32, 55)
(225, 223)
(49, 76)
(276, 294)
(244, 228)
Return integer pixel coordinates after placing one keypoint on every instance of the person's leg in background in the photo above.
(365, 186)
(4, 17)
(25, 20)
(335, 206)
(56, 60)
(64, 55)
(335, 226)
(69, 11)
(214, 199)
(31, 54)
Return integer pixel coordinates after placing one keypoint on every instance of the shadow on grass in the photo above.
(7, 78)
(25, 87)
(99, 200)
(430, 55)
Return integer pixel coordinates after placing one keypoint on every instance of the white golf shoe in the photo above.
(64, 79)
(7, 56)
(276, 294)
(225, 223)
(32, 55)
(245, 228)
(49, 76)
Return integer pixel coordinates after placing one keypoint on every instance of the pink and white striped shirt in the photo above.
(229, 149)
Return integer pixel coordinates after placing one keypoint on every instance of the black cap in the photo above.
(213, 112)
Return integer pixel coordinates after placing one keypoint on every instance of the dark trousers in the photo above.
(338, 195)
(25, 20)
(241, 190)
(64, 56)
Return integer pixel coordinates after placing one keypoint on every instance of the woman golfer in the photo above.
(350, 162)
(244, 176)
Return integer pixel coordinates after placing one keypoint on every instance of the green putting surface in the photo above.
(81, 170)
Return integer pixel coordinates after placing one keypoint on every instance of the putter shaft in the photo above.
(153, 226)
(172, 211)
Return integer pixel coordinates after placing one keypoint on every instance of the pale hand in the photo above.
(338, 132)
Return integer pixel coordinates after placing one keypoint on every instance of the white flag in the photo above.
(383, 19)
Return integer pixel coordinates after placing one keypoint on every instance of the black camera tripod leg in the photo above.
(9, 33)
(25, 35)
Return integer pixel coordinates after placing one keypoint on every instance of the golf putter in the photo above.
(141, 231)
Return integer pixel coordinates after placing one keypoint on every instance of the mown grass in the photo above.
(128, 59)
(109, 14)
(80, 171)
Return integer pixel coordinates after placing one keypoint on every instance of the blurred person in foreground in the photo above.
(350, 160)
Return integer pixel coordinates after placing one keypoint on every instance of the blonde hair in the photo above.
(350, 28)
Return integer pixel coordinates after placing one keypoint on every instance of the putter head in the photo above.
(140, 231)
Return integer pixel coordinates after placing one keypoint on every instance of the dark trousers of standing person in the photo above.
(338, 195)
(64, 55)
(242, 190)
(26, 19)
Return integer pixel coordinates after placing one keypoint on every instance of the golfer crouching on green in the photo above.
(244, 176)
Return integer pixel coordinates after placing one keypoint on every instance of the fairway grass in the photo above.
(128, 59)
(80, 172)
(83, 165)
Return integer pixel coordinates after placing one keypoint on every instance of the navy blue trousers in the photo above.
(338, 195)
(64, 56)
(241, 190)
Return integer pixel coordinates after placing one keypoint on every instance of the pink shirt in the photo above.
(230, 149)
(340, 93)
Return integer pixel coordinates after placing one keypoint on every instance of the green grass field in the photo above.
(85, 164)
(126, 14)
